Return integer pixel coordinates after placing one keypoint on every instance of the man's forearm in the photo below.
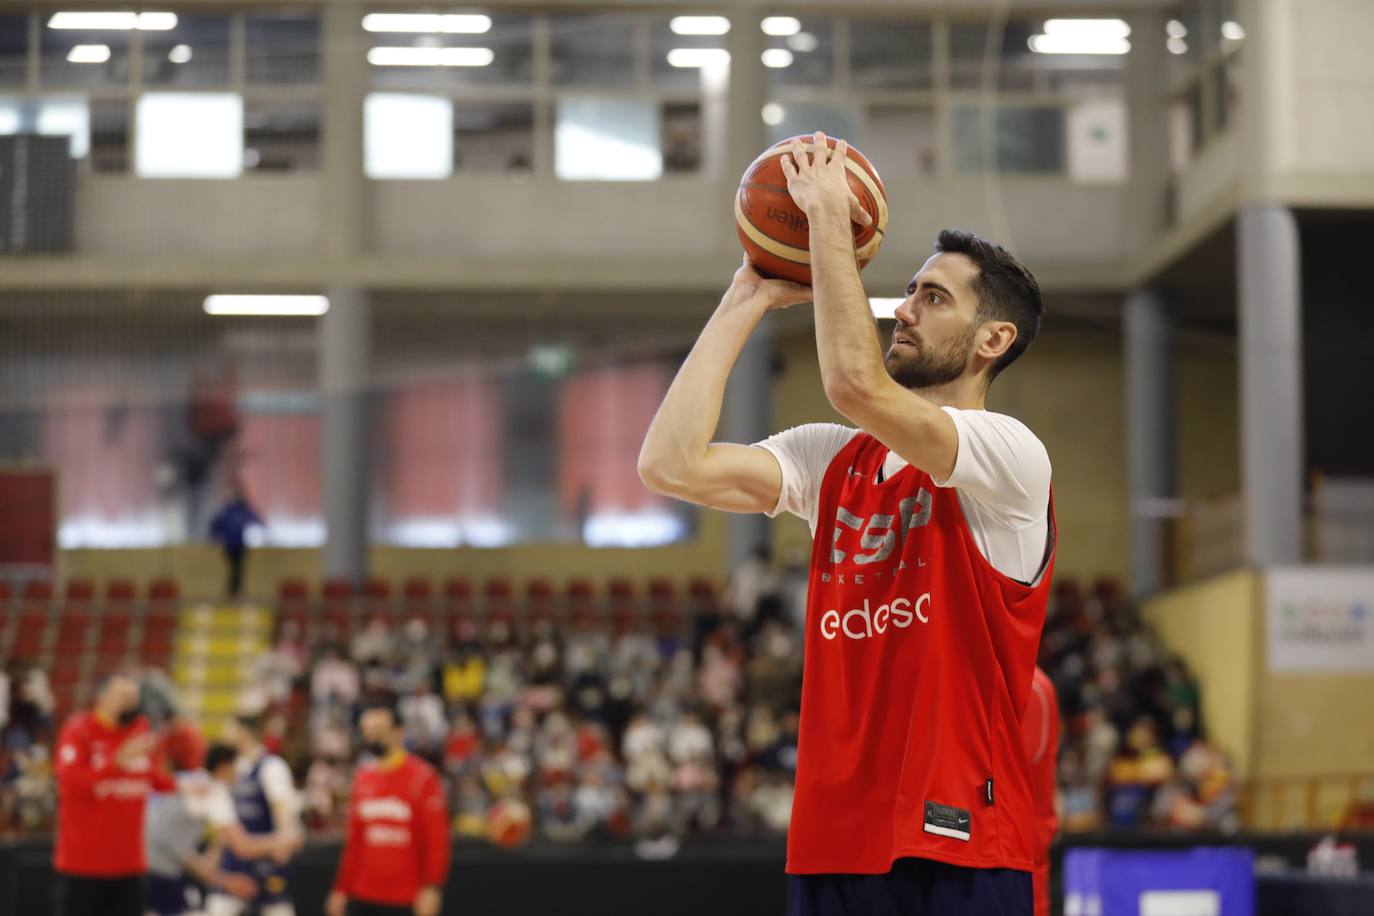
(851, 358)
(682, 429)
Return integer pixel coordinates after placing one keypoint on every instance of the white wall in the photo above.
(1332, 80)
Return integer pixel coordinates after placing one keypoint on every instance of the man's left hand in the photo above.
(428, 902)
(818, 180)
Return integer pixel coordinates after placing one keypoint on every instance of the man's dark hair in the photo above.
(251, 723)
(386, 702)
(217, 755)
(1006, 290)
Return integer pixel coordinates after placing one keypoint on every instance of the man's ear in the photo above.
(997, 340)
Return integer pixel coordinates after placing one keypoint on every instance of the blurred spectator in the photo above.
(229, 527)
(334, 679)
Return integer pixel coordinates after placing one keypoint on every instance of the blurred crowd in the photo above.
(657, 727)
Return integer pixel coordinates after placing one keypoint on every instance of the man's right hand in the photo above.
(241, 886)
(135, 749)
(336, 905)
(748, 284)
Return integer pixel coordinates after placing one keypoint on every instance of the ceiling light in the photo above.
(1176, 29)
(699, 25)
(1084, 28)
(432, 23)
(1177, 46)
(698, 57)
(803, 42)
(773, 114)
(113, 21)
(430, 57)
(1232, 31)
(181, 54)
(266, 305)
(781, 26)
(884, 308)
(777, 58)
(88, 54)
(1055, 44)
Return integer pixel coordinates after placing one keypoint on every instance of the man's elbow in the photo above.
(848, 395)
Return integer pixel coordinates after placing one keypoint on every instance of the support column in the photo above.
(345, 343)
(747, 414)
(1271, 425)
(1150, 462)
(346, 329)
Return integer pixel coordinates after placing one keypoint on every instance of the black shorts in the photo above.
(363, 908)
(914, 887)
(77, 895)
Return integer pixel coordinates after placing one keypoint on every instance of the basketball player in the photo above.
(930, 570)
(396, 855)
(1040, 740)
(267, 808)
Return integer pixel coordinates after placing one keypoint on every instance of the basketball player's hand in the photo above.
(749, 286)
(336, 904)
(428, 902)
(135, 749)
(241, 886)
(819, 182)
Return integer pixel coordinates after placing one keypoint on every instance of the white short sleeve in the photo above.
(219, 807)
(804, 453)
(1002, 465)
(277, 783)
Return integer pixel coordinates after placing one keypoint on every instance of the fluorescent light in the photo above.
(1176, 29)
(88, 54)
(151, 22)
(699, 25)
(181, 54)
(265, 305)
(773, 114)
(884, 308)
(698, 57)
(431, 23)
(1232, 31)
(1088, 28)
(430, 57)
(1054, 44)
(1177, 46)
(803, 42)
(777, 58)
(781, 26)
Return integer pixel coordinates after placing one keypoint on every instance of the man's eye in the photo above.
(933, 297)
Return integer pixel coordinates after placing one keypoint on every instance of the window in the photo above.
(189, 135)
(901, 138)
(592, 50)
(493, 136)
(485, 50)
(195, 53)
(53, 116)
(788, 119)
(282, 48)
(688, 62)
(110, 135)
(804, 58)
(281, 136)
(1008, 138)
(407, 136)
(14, 50)
(889, 54)
(607, 139)
(84, 57)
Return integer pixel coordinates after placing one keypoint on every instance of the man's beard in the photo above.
(924, 368)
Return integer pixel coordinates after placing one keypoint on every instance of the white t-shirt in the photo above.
(1001, 472)
(276, 780)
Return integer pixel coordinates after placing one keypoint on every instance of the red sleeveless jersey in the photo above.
(919, 658)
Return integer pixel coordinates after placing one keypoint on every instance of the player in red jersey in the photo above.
(396, 857)
(107, 764)
(933, 550)
(1040, 739)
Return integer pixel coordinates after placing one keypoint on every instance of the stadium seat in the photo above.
(159, 622)
(163, 591)
(72, 628)
(36, 596)
(115, 625)
(79, 591)
(121, 591)
(293, 590)
(336, 589)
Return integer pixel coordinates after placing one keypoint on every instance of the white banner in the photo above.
(1320, 619)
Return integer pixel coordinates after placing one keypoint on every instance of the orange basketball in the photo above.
(775, 232)
(508, 823)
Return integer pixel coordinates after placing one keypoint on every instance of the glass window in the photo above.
(281, 136)
(110, 136)
(606, 139)
(900, 139)
(195, 53)
(14, 49)
(789, 119)
(681, 138)
(84, 57)
(189, 135)
(1008, 139)
(804, 58)
(407, 136)
(493, 136)
(282, 49)
(885, 54)
(54, 116)
(1013, 65)
(593, 50)
(500, 55)
(684, 61)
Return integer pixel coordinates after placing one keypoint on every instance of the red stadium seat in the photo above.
(32, 623)
(157, 653)
(293, 590)
(80, 591)
(115, 624)
(702, 589)
(335, 589)
(6, 592)
(159, 622)
(38, 590)
(72, 628)
(121, 591)
(164, 591)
